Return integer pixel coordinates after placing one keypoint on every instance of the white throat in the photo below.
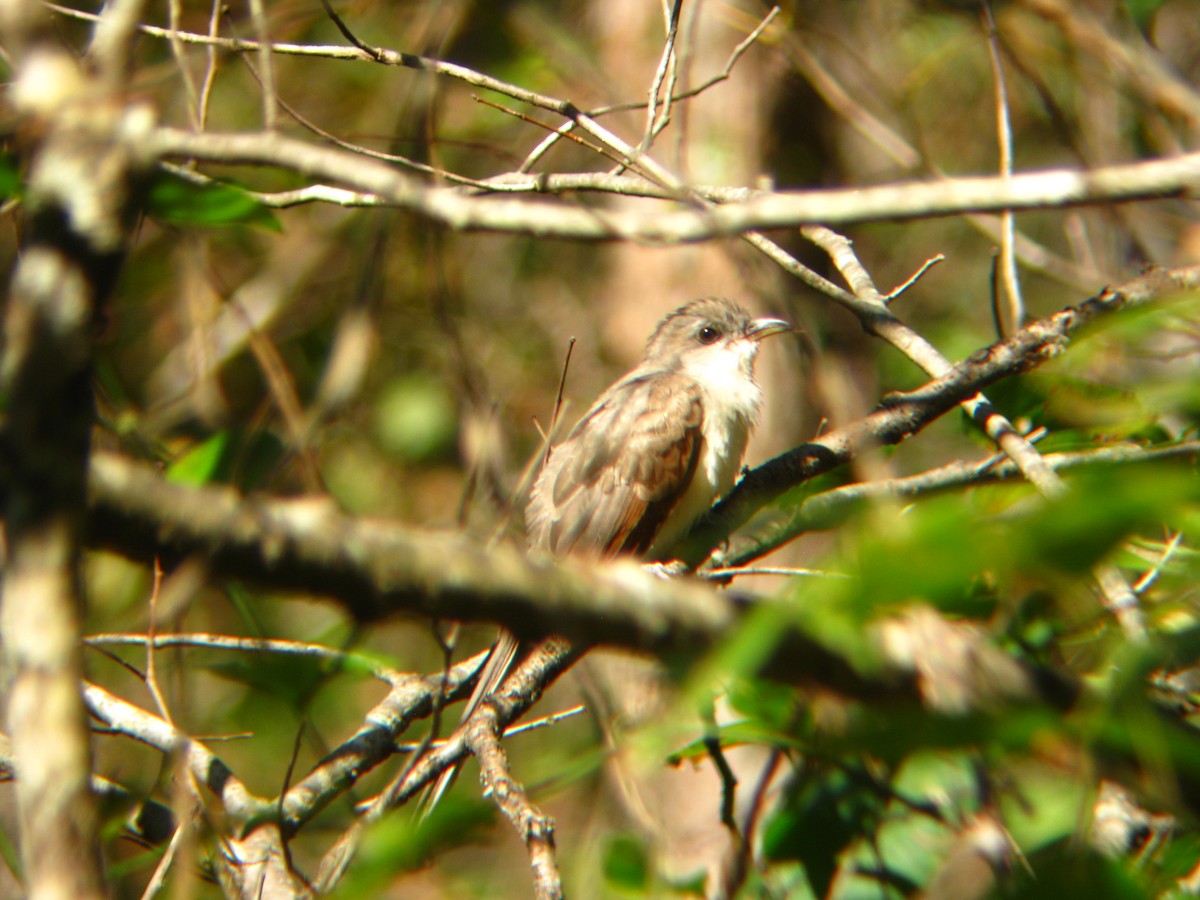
(732, 399)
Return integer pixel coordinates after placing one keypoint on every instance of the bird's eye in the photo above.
(708, 334)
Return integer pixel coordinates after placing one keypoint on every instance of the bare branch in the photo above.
(824, 510)
(871, 308)
(535, 829)
(411, 697)
(896, 419)
(251, 645)
(1038, 190)
(1008, 257)
(84, 154)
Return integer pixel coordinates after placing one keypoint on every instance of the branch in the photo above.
(535, 829)
(520, 691)
(785, 209)
(902, 415)
(877, 318)
(254, 862)
(829, 508)
(411, 697)
(83, 153)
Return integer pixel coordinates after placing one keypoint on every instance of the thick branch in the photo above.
(82, 151)
(375, 568)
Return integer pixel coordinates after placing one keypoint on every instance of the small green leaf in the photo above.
(203, 464)
(735, 734)
(243, 458)
(183, 202)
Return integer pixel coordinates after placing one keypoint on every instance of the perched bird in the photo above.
(651, 455)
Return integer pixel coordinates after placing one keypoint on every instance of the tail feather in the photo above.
(494, 670)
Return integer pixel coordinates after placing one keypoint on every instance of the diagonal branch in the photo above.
(902, 415)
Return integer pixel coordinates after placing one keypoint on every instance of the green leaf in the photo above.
(244, 458)
(399, 843)
(773, 705)
(203, 464)
(735, 734)
(819, 823)
(1142, 11)
(625, 864)
(11, 186)
(183, 202)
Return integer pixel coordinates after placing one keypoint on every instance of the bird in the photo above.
(650, 456)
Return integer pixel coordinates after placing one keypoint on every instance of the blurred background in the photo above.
(405, 370)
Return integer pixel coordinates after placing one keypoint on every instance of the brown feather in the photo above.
(610, 486)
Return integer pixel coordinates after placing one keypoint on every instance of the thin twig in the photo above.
(996, 292)
(175, 14)
(530, 120)
(913, 278)
(249, 645)
(667, 61)
(159, 879)
(210, 71)
(724, 574)
(532, 725)
(558, 402)
(373, 52)
(151, 667)
(1151, 575)
(1008, 259)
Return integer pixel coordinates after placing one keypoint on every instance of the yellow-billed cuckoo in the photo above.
(651, 455)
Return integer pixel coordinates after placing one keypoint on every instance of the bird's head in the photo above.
(710, 335)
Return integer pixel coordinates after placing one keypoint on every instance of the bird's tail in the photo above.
(494, 670)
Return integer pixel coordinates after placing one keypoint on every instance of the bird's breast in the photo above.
(726, 432)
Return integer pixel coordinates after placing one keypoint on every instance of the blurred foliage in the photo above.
(228, 357)
(181, 202)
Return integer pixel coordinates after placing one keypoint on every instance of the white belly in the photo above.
(717, 469)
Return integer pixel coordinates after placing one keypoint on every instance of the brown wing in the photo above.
(611, 484)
